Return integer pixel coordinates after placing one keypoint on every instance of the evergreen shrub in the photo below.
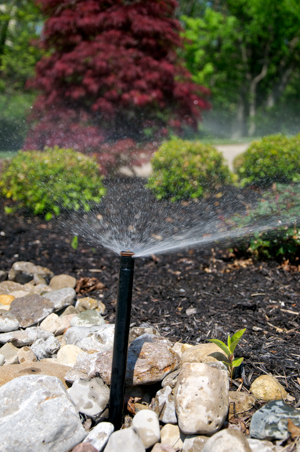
(274, 158)
(45, 182)
(187, 169)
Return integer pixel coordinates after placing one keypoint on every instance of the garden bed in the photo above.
(190, 295)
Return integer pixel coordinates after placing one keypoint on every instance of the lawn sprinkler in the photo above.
(119, 361)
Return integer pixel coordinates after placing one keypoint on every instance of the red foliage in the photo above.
(114, 63)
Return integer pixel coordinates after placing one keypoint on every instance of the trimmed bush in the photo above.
(187, 169)
(275, 158)
(47, 181)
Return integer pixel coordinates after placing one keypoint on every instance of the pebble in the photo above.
(263, 446)
(227, 440)
(6, 287)
(164, 405)
(87, 318)
(267, 389)
(62, 281)
(83, 447)
(127, 440)
(45, 417)
(171, 435)
(61, 298)
(201, 398)
(68, 354)
(180, 348)
(26, 355)
(194, 443)
(96, 337)
(55, 324)
(159, 447)
(6, 299)
(270, 421)
(30, 310)
(147, 424)
(23, 272)
(9, 351)
(203, 353)
(69, 310)
(99, 435)
(90, 397)
(138, 331)
(45, 348)
(8, 322)
(24, 337)
(90, 303)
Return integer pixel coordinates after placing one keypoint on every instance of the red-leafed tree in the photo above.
(112, 74)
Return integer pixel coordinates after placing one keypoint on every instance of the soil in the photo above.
(190, 296)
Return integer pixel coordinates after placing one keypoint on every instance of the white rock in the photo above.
(24, 337)
(45, 348)
(26, 355)
(98, 338)
(37, 415)
(201, 398)
(90, 397)
(87, 318)
(8, 322)
(127, 440)
(99, 435)
(51, 323)
(203, 353)
(22, 272)
(61, 298)
(147, 424)
(194, 443)
(227, 440)
(9, 351)
(164, 406)
(257, 445)
(20, 293)
(67, 354)
(171, 435)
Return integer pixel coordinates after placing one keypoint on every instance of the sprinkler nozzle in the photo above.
(127, 253)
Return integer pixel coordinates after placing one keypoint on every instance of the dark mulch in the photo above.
(226, 293)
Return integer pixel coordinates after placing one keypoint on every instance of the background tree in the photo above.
(20, 23)
(112, 74)
(248, 53)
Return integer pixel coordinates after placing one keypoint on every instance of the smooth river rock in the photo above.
(203, 353)
(30, 310)
(99, 435)
(62, 281)
(147, 424)
(267, 389)
(24, 337)
(61, 298)
(37, 415)
(227, 440)
(6, 287)
(201, 398)
(8, 322)
(127, 440)
(172, 436)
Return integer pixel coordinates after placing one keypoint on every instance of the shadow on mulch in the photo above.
(190, 296)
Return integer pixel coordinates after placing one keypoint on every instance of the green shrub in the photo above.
(275, 158)
(273, 220)
(186, 169)
(47, 181)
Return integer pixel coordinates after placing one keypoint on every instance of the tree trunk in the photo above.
(239, 123)
(252, 98)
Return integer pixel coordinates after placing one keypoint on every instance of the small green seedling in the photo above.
(232, 342)
(74, 243)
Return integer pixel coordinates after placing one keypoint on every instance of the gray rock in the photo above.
(61, 298)
(45, 348)
(23, 272)
(87, 318)
(201, 399)
(20, 338)
(270, 421)
(227, 440)
(164, 406)
(99, 436)
(62, 281)
(30, 310)
(127, 440)
(97, 337)
(8, 322)
(45, 417)
(90, 397)
(147, 424)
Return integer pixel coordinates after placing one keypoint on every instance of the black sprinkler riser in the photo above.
(120, 350)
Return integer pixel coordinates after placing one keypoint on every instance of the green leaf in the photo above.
(221, 345)
(236, 339)
(74, 243)
(237, 362)
(48, 216)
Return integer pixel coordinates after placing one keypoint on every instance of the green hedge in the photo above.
(274, 158)
(47, 181)
(187, 169)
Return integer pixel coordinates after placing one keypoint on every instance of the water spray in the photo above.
(122, 324)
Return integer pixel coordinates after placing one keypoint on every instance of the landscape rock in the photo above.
(90, 397)
(68, 354)
(45, 348)
(8, 322)
(127, 440)
(69, 311)
(6, 287)
(83, 447)
(201, 398)
(11, 371)
(41, 289)
(180, 348)
(6, 299)
(267, 388)
(203, 353)
(61, 298)
(20, 293)
(24, 337)
(9, 351)
(2, 360)
(194, 443)
(159, 447)
(83, 304)
(263, 446)
(171, 378)
(26, 355)
(87, 318)
(99, 435)
(97, 337)
(270, 421)
(227, 440)
(138, 331)
(147, 424)
(240, 403)
(62, 281)
(171, 435)
(55, 324)
(164, 406)
(45, 417)
(23, 272)
(30, 310)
